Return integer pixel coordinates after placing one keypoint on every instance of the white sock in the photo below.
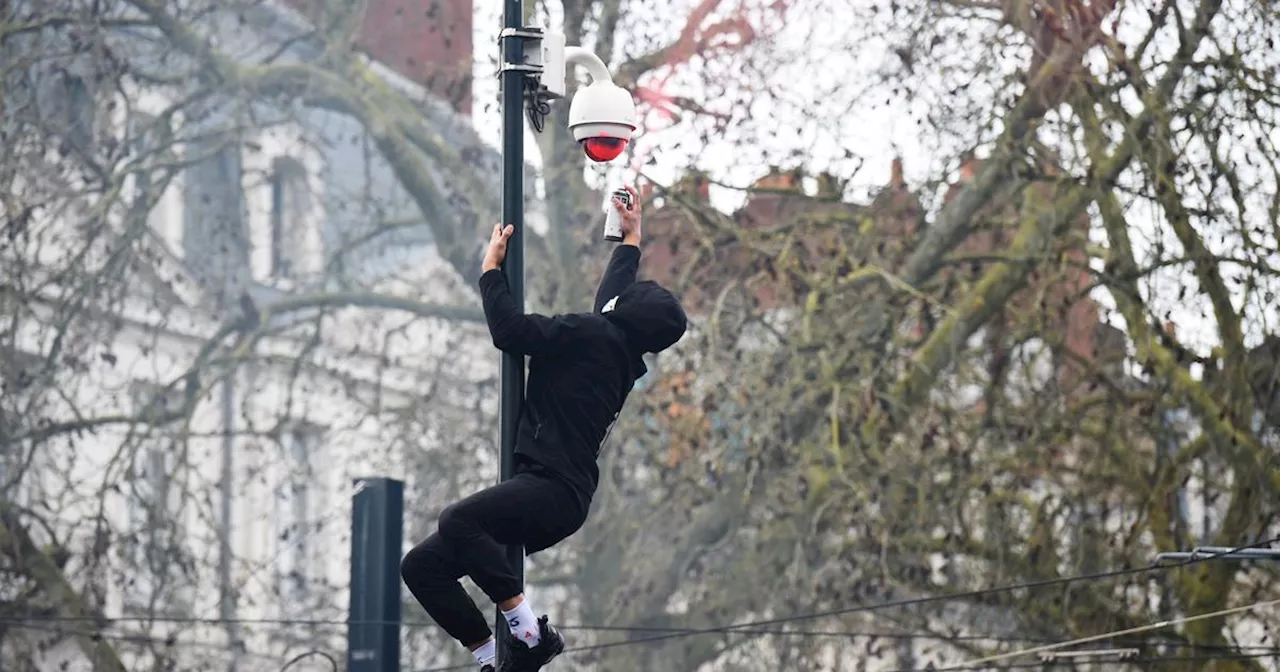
(523, 624)
(487, 654)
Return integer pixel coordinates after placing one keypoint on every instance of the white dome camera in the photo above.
(602, 117)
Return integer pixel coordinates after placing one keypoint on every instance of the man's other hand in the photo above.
(631, 229)
(497, 251)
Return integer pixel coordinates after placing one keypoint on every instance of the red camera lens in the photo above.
(603, 149)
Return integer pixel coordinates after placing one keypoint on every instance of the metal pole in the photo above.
(512, 370)
(373, 621)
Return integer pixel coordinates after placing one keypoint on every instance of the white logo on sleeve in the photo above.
(607, 431)
(609, 306)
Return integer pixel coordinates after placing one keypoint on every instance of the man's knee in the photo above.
(423, 565)
(413, 563)
(455, 522)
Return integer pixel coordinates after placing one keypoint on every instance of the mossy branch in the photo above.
(16, 543)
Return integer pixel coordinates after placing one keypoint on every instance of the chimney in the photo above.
(829, 187)
(768, 198)
(702, 184)
(780, 180)
(896, 179)
(426, 41)
(694, 184)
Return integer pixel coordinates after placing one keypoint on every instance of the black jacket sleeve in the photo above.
(620, 274)
(517, 332)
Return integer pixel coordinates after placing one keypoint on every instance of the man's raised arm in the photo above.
(620, 274)
(513, 330)
(625, 262)
(517, 332)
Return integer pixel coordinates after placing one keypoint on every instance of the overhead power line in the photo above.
(761, 627)
(1154, 660)
(52, 626)
(1159, 625)
(1222, 652)
(863, 608)
(966, 595)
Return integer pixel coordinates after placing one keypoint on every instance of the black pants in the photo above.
(533, 509)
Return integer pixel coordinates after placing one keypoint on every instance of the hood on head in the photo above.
(649, 315)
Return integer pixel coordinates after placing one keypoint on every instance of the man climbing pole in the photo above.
(582, 366)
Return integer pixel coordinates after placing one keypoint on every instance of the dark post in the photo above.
(377, 531)
(512, 370)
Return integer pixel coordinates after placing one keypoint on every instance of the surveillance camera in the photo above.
(602, 117)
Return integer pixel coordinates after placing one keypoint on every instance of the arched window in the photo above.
(289, 206)
(298, 494)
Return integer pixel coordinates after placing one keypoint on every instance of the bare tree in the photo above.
(136, 375)
(901, 400)
(92, 281)
(918, 396)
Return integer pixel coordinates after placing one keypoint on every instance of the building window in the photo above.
(80, 111)
(154, 540)
(289, 205)
(140, 145)
(70, 109)
(215, 240)
(155, 503)
(295, 500)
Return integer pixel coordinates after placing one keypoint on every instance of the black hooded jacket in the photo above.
(582, 366)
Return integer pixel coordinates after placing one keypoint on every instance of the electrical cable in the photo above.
(966, 595)
(1119, 633)
(138, 638)
(114, 637)
(252, 575)
(172, 642)
(1151, 660)
(312, 652)
(537, 106)
(1154, 660)
(1225, 652)
(842, 634)
(743, 628)
(34, 623)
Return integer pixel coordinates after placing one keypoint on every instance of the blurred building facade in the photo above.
(240, 512)
(428, 42)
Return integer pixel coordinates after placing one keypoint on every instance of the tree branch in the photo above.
(1003, 279)
(21, 549)
(397, 134)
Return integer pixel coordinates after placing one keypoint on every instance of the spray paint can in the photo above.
(613, 219)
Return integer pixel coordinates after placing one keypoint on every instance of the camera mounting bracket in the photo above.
(543, 68)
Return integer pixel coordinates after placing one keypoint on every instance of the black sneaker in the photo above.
(521, 658)
(488, 668)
